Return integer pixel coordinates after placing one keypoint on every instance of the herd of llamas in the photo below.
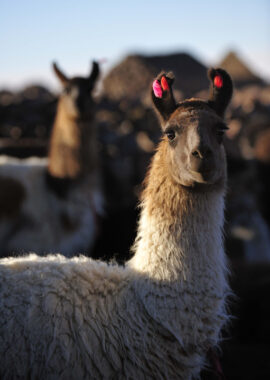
(64, 315)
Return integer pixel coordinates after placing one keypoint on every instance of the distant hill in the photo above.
(132, 77)
(239, 70)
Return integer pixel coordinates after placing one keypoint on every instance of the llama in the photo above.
(51, 205)
(159, 315)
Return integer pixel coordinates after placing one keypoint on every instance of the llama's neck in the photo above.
(73, 152)
(180, 229)
(179, 249)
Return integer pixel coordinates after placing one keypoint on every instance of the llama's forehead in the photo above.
(194, 117)
(77, 87)
(79, 83)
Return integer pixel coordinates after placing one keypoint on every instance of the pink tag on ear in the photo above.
(218, 81)
(157, 89)
(164, 84)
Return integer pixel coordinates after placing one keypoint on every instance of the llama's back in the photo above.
(35, 218)
(54, 317)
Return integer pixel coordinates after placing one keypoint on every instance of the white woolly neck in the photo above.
(180, 260)
(167, 251)
(171, 244)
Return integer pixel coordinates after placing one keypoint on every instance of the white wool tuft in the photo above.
(38, 226)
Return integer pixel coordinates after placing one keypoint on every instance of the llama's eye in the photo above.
(170, 134)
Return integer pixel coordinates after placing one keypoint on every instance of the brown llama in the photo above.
(157, 317)
(51, 205)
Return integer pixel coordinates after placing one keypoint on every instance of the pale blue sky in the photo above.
(35, 32)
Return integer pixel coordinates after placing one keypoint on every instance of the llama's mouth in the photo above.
(206, 176)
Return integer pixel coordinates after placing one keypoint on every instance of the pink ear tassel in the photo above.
(157, 89)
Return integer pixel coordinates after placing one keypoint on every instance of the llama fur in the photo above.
(154, 318)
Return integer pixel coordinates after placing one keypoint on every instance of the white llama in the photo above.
(50, 206)
(157, 317)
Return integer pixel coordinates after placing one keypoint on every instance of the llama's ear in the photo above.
(162, 95)
(221, 89)
(94, 74)
(60, 75)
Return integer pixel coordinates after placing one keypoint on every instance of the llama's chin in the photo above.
(207, 177)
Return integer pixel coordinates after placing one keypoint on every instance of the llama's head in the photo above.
(73, 147)
(193, 129)
(76, 97)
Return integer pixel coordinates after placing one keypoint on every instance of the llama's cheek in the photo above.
(181, 166)
(180, 170)
(173, 166)
(71, 108)
(187, 161)
(183, 158)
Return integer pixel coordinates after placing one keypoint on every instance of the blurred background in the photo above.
(133, 42)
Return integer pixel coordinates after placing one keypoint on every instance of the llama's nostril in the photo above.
(196, 154)
(202, 153)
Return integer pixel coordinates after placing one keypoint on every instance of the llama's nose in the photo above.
(201, 159)
(202, 152)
